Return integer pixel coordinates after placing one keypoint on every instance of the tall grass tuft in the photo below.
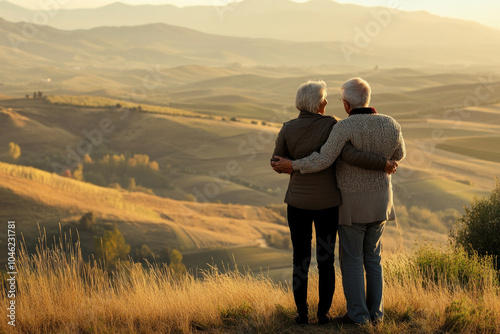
(454, 266)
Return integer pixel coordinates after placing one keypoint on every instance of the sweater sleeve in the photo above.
(330, 150)
(400, 152)
(366, 160)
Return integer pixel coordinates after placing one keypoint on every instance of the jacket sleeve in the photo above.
(366, 160)
(330, 150)
(280, 145)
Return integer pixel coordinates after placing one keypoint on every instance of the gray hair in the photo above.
(309, 96)
(357, 92)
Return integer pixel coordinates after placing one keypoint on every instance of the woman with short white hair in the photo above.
(314, 197)
(367, 199)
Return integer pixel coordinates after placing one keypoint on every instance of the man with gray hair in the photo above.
(367, 199)
(315, 197)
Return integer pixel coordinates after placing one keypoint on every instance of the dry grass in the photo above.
(59, 293)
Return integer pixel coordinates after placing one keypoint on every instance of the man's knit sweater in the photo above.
(366, 191)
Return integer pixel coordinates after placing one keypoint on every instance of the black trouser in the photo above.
(326, 223)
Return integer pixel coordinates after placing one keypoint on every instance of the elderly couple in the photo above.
(340, 179)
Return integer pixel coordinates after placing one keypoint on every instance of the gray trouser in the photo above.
(359, 246)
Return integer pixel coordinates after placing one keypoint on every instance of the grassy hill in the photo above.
(458, 295)
(207, 225)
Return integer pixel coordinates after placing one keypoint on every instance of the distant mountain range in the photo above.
(135, 47)
(23, 46)
(315, 20)
(253, 32)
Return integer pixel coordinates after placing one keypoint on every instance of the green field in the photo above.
(484, 148)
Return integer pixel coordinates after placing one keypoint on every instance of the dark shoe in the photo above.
(377, 321)
(344, 319)
(301, 320)
(324, 319)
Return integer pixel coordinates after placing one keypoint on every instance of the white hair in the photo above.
(357, 92)
(309, 96)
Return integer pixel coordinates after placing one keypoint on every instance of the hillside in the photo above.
(48, 199)
(208, 234)
(426, 102)
(224, 164)
(185, 126)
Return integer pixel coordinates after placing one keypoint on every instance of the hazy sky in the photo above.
(483, 11)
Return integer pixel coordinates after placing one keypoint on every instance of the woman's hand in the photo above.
(283, 165)
(391, 166)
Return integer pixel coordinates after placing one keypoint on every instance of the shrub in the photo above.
(144, 253)
(14, 151)
(279, 240)
(478, 230)
(454, 266)
(112, 247)
(190, 198)
(87, 221)
(176, 264)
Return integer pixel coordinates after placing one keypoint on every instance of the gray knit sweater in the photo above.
(370, 190)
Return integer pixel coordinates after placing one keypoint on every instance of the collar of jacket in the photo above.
(361, 111)
(304, 114)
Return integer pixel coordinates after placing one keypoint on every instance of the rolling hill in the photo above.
(208, 234)
(426, 102)
(441, 172)
(32, 196)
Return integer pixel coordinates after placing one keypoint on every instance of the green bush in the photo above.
(454, 266)
(176, 264)
(478, 230)
(111, 247)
